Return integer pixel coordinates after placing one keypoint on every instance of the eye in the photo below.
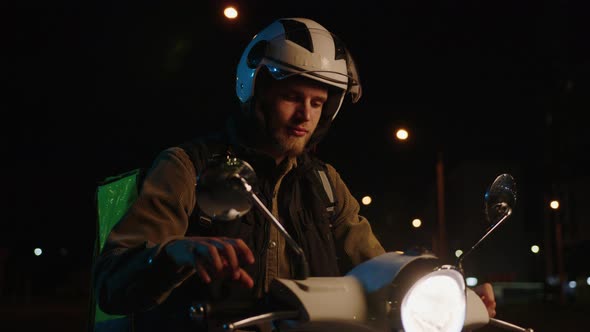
(318, 102)
(291, 97)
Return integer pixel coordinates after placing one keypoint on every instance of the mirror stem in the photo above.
(302, 271)
(507, 213)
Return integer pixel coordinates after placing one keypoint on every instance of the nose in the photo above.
(304, 110)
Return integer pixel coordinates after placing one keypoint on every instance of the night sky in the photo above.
(97, 88)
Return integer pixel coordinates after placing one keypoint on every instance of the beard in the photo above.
(288, 145)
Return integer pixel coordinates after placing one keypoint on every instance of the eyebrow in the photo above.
(321, 98)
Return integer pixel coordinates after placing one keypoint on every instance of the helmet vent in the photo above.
(298, 33)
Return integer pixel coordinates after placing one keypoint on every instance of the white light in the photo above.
(588, 281)
(572, 284)
(471, 281)
(535, 248)
(436, 302)
(230, 12)
(366, 200)
(416, 223)
(37, 251)
(554, 204)
(402, 134)
(458, 253)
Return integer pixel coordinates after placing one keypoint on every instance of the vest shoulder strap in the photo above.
(323, 180)
(200, 152)
(327, 188)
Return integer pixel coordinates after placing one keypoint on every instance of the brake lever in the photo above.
(262, 318)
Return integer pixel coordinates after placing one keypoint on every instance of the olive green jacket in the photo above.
(161, 214)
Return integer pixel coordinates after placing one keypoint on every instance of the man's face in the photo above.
(293, 107)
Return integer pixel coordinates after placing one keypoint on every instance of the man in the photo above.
(166, 254)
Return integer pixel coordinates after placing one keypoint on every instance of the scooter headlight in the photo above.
(436, 302)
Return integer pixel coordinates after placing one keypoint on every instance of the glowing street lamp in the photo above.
(230, 12)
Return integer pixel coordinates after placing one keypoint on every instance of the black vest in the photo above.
(304, 210)
(304, 207)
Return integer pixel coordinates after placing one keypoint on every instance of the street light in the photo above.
(230, 12)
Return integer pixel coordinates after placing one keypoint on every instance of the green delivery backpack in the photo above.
(114, 196)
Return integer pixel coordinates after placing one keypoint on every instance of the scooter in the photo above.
(396, 291)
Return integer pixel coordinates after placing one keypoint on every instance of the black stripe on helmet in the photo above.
(298, 33)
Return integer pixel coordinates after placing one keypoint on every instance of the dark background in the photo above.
(92, 89)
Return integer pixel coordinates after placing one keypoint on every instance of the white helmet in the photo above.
(299, 46)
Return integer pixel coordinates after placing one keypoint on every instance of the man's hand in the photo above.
(486, 293)
(212, 257)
